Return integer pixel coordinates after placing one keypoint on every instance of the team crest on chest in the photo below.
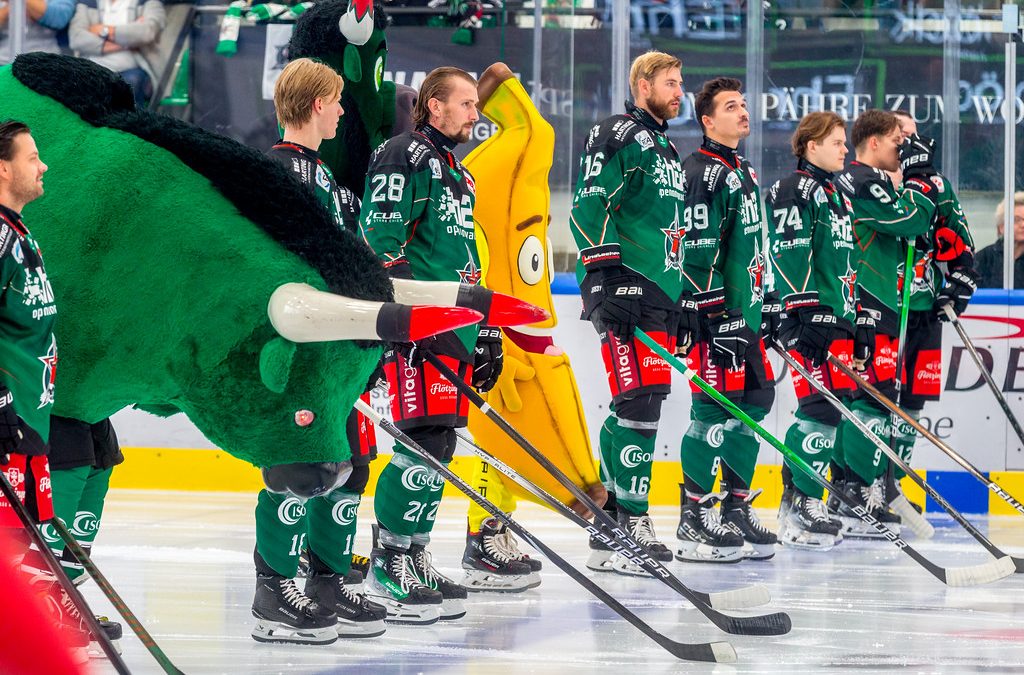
(674, 245)
(756, 270)
(849, 281)
(470, 274)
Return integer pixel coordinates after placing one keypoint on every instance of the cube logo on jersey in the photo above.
(49, 373)
(674, 245)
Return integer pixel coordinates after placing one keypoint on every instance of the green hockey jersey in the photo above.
(946, 241)
(883, 218)
(725, 239)
(812, 250)
(28, 348)
(417, 213)
(629, 201)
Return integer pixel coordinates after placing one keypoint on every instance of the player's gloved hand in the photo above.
(810, 333)
(10, 431)
(620, 304)
(863, 340)
(488, 358)
(728, 339)
(413, 352)
(771, 317)
(960, 286)
(688, 329)
(917, 154)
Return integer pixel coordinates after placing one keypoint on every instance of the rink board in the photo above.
(172, 454)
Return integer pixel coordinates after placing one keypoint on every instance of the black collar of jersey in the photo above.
(12, 217)
(438, 139)
(724, 152)
(645, 118)
(816, 172)
(301, 149)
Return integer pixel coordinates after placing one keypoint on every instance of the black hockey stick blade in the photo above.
(774, 624)
(712, 652)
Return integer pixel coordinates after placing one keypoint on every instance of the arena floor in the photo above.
(183, 563)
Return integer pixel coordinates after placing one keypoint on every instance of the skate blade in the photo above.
(478, 581)
(600, 561)
(407, 615)
(452, 609)
(360, 629)
(273, 632)
(703, 553)
(758, 552)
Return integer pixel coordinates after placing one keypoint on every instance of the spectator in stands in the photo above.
(47, 20)
(117, 34)
(989, 261)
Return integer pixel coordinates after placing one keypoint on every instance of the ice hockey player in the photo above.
(884, 218)
(417, 215)
(725, 267)
(307, 102)
(626, 220)
(815, 264)
(943, 275)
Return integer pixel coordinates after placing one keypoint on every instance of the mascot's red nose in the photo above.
(506, 310)
(429, 320)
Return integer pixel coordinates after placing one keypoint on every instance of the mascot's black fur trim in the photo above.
(262, 190)
(322, 37)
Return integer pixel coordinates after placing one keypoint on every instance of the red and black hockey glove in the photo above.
(728, 339)
(809, 331)
(917, 156)
(960, 286)
(771, 317)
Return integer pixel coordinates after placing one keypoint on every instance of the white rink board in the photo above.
(970, 421)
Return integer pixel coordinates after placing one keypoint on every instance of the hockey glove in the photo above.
(728, 339)
(811, 333)
(688, 329)
(863, 339)
(960, 286)
(10, 432)
(916, 156)
(620, 303)
(488, 358)
(771, 317)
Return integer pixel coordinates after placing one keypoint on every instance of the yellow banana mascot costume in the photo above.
(536, 392)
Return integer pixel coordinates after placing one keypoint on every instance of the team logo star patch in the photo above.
(674, 245)
(849, 281)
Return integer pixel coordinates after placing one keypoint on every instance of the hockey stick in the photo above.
(951, 576)
(918, 524)
(936, 441)
(715, 652)
(894, 457)
(948, 309)
(62, 578)
(778, 623)
(740, 598)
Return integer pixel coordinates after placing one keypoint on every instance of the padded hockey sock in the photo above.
(699, 453)
(280, 531)
(605, 452)
(78, 498)
(863, 457)
(435, 489)
(813, 442)
(904, 437)
(402, 493)
(629, 455)
(331, 528)
(488, 482)
(740, 444)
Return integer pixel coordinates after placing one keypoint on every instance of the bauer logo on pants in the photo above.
(632, 455)
(290, 511)
(344, 513)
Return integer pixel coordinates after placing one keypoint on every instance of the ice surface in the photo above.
(183, 563)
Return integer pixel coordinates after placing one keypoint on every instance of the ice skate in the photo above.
(871, 499)
(490, 564)
(394, 584)
(453, 595)
(702, 538)
(808, 526)
(358, 617)
(285, 614)
(738, 515)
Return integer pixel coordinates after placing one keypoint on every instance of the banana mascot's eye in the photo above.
(531, 260)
